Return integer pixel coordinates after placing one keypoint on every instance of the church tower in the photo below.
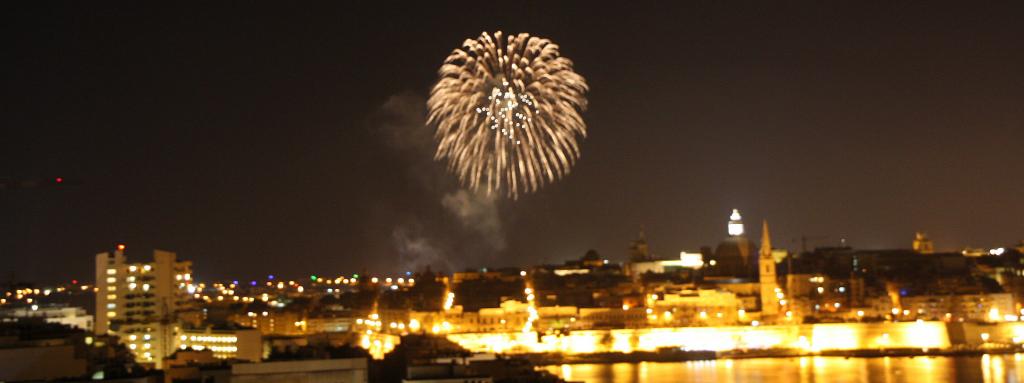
(769, 285)
(922, 244)
(638, 250)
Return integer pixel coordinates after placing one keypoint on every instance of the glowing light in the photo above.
(449, 301)
(735, 223)
(507, 112)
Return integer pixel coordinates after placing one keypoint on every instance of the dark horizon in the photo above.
(290, 140)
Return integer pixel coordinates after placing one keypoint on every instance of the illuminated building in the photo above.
(687, 261)
(771, 294)
(140, 292)
(274, 322)
(243, 344)
(695, 308)
(735, 257)
(510, 316)
(330, 323)
(992, 307)
(138, 301)
(922, 244)
(609, 317)
(151, 342)
(74, 317)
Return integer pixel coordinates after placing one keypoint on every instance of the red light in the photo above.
(74, 281)
(120, 247)
(59, 179)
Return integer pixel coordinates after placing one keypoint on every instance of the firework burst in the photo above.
(507, 113)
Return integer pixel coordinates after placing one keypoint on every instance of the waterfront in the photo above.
(985, 368)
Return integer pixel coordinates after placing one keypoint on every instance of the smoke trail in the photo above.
(477, 212)
(450, 227)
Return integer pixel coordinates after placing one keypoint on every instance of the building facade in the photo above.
(138, 301)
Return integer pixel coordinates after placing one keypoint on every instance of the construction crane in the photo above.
(804, 238)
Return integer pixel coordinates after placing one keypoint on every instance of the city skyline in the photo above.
(246, 138)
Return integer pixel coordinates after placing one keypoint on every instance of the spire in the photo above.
(766, 241)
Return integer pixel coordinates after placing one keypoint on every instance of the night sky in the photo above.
(289, 139)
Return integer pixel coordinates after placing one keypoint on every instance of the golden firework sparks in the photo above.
(507, 113)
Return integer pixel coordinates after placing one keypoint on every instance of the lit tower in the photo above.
(922, 244)
(735, 224)
(766, 264)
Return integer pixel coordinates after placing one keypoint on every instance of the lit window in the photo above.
(111, 280)
(111, 271)
(111, 314)
(147, 268)
(133, 268)
(111, 288)
(111, 305)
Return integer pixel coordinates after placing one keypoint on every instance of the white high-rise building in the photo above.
(138, 301)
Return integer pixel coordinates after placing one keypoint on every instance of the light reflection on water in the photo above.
(986, 368)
